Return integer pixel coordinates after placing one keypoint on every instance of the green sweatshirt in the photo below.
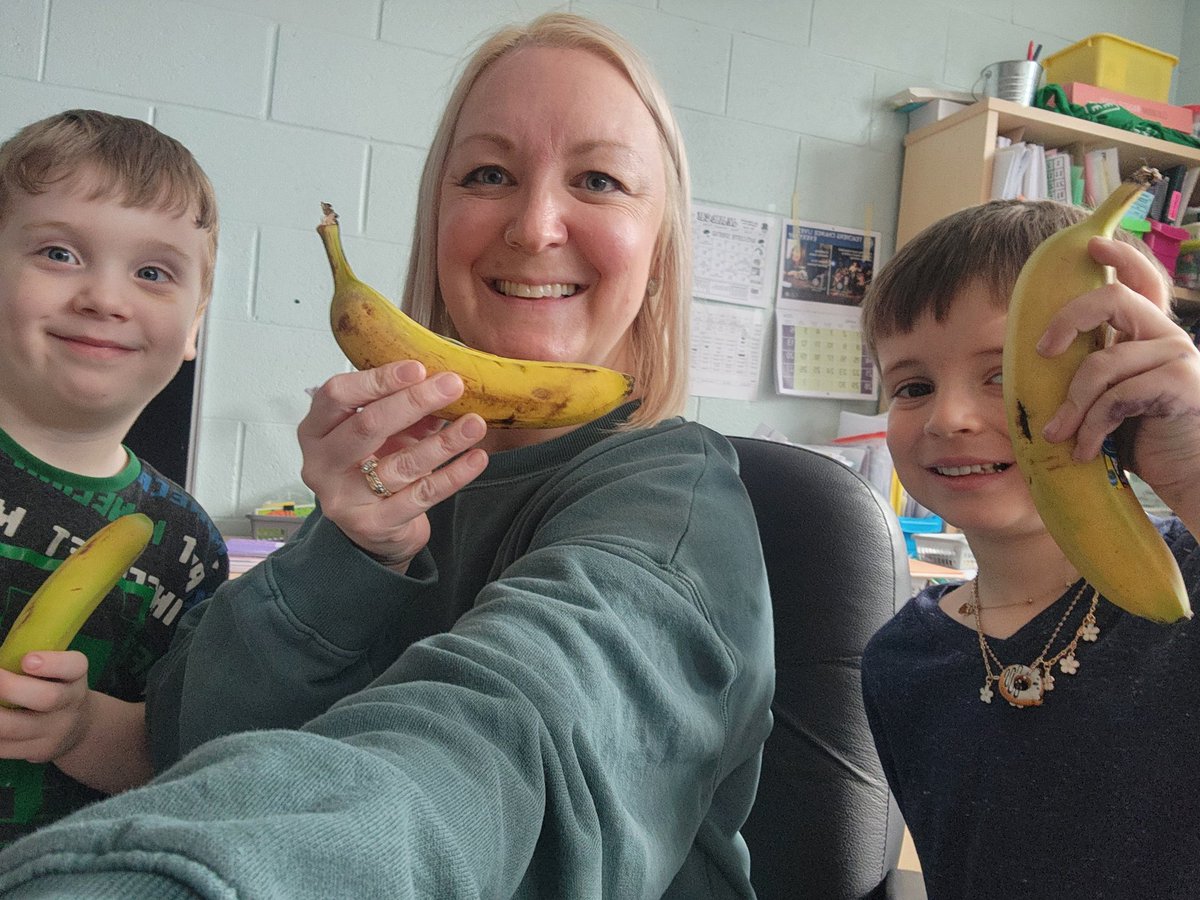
(566, 696)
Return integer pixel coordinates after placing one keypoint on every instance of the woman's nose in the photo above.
(539, 222)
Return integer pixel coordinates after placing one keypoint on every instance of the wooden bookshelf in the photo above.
(948, 164)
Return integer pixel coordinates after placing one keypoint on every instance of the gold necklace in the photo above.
(969, 606)
(1025, 686)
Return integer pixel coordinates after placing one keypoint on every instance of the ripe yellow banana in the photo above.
(1089, 508)
(507, 393)
(58, 609)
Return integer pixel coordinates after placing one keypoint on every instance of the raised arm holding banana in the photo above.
(1002, 706)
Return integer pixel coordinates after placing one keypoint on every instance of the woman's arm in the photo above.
(592, 724)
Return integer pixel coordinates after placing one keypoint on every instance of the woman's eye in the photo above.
(60, 255)
(490, 176)
(151, 273)
(599, 182)
(996, 378)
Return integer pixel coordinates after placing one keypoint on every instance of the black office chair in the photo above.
(824, 824)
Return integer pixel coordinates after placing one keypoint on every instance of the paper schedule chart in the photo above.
(819, 353)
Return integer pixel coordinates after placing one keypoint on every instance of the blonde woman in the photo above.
(540, 665)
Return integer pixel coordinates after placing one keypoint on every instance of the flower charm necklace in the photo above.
(1024, 685)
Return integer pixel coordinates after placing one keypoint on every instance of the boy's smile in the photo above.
(947, 431)
(99, 304)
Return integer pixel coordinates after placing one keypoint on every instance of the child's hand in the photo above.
(1150, 377)
(53, 706)
(384, 413)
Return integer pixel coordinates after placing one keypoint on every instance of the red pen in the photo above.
(1029, 52)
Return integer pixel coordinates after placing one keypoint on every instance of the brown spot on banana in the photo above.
(1023, 421)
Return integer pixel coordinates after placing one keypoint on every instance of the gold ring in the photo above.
(368, 467)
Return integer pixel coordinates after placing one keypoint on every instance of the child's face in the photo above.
(947, 431)
(99, 304)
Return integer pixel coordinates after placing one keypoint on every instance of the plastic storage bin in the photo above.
(1111, 61)
(913, 525)
(1165, 240)
(949, 550)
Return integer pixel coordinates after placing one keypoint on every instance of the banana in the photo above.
(58, 609)
(507, 393)
(1088, 507)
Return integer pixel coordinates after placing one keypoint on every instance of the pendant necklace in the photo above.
(1023, 685)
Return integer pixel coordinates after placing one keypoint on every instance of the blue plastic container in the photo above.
(924, 525)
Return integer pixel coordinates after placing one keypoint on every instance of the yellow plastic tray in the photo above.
(1113, 62)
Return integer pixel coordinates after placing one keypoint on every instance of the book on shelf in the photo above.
(1186, 190)
(1174, 176)
(1058, 175)
(1009, 166)
(1157, 205)
(1101, 174)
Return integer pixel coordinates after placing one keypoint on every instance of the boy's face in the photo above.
(947, 430)
(99, 304)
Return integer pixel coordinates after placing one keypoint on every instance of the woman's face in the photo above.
(551, 204)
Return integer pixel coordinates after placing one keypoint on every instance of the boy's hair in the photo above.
(982, 246)
(135, 162)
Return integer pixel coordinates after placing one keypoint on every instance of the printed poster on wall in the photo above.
(825, 263)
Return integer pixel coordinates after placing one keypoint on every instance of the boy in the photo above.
(1081, 784)
(108, 236)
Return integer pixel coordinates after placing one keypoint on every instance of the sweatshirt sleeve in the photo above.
(574, 734)
(279, 645)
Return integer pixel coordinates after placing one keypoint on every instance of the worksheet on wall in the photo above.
(734, 254)
(819, 353)
(727, 346)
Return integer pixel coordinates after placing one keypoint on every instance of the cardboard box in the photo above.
(1177, 117)
(1114, 62)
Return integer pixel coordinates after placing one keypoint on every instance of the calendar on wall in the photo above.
(733, 255)
(824, 271)
(819, 353)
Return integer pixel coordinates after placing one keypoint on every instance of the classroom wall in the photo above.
(290, 102)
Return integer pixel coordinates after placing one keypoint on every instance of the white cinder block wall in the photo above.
(290, 102)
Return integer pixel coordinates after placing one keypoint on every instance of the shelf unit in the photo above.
(948, 164)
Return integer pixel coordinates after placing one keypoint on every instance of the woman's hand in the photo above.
(52, 709)
(385, 413)
(1150, 376)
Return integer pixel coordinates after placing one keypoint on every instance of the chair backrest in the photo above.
(824, 823)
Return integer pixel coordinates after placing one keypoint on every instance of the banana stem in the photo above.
(331, 237)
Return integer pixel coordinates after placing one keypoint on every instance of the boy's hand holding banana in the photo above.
(1082, 355)
(53, 700)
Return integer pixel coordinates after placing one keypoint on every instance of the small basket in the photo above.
(942, 549)
(273, 528)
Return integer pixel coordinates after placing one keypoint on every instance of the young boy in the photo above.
(108, 236)
(1095, 792)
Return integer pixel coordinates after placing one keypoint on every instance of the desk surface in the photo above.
(918, 568)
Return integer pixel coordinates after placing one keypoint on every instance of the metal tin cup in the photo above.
(1016, 80)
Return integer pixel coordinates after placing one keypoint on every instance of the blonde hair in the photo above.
(659, 333)
(133, 159)
(984, 246)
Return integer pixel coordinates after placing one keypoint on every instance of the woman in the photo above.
(540, 664)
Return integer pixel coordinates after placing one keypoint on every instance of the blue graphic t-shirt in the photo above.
(45, 513)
